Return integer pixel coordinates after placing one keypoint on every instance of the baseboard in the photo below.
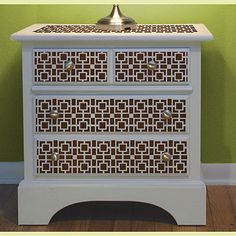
(11, 172)
(213, 174)
(219, 174)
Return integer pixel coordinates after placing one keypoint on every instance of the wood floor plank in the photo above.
(143, 225)
(36, 228)
(102, 216)
(143, 216)
(232, 195)
(209, 220)
(8, 208)
(152, 218)
(63, 225)
(187, 228)
(80, 225)
(123, 217)
(164, 221)
(101, 225)
(163, 227)
(122, 225)
(222, 209)
(5, 192)
(81, 214)
(64, 220)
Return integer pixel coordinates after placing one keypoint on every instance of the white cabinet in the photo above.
(112, 117)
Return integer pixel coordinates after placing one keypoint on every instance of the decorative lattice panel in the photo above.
(89, 66)
(112, 157)
(171, 66)
(110, 115)
(140, 29)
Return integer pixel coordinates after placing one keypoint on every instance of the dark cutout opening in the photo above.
(113, 210)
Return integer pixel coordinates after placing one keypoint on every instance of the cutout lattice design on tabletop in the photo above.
(110, 115)
(111, 157)
(145, 28)
(89, 66)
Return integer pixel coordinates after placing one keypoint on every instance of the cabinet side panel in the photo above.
(195, 112)
(27, 111)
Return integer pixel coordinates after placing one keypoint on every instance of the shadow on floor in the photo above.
(102, 210)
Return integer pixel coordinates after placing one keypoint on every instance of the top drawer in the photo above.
(70, 66)
(154, 66)
(140, 66)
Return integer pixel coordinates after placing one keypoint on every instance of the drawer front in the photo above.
(159, 66)
(127, 114)
(58, 66)
(112, 156)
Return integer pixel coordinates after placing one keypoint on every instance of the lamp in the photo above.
(116, 21)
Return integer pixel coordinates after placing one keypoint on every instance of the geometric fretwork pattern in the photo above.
(171, 66)
(89, 66)
(111, 157)
(110, 115)
(91, 28)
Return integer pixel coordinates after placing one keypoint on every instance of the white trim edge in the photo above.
(213, 174)
(11, 172)
(219, 174)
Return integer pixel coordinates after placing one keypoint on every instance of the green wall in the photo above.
(218, 67)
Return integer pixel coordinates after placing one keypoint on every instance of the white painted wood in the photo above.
(219, 174)
(40, 197)
(27, 111)
(185, 201)
(28, 34)
(107, 44)
(119, 89)
(195, 112)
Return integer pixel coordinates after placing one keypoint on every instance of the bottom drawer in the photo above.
(115, 156)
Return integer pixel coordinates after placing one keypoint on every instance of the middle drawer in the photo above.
(109, 113)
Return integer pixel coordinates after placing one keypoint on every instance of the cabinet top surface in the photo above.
(143, 32)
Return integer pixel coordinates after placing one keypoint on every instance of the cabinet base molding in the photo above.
(184, 200)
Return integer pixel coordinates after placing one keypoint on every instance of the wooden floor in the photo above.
(123, 216)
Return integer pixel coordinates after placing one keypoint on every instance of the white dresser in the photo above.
(112, 117)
